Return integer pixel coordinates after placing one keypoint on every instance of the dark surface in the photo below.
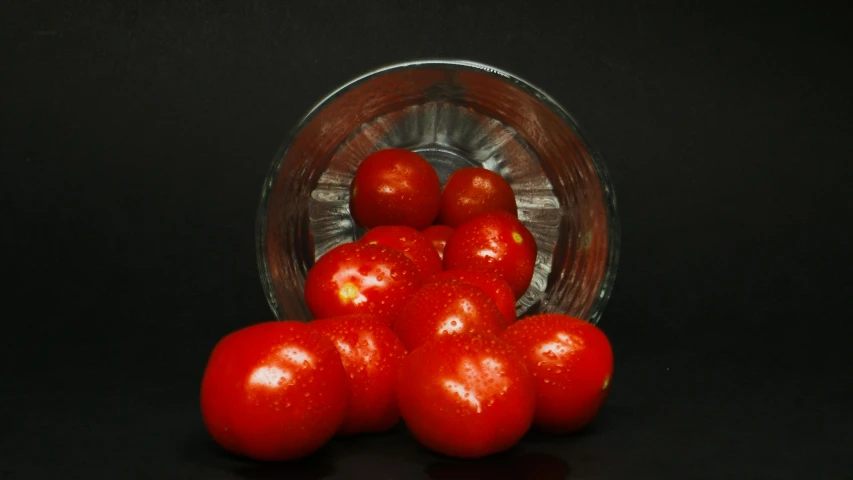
(135, 136)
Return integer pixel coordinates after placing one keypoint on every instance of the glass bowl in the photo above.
(454, 113)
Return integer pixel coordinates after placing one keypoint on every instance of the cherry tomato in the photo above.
(395, 187)
(274, 391)
(438, 235)
(489, 282)
(410, 242)
(497, 242)
(572, 365)
(472, 190)
(466, 395)
(371, 355)
(446, 307)
(360, 278)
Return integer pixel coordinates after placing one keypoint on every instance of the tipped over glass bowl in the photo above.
(455, 114)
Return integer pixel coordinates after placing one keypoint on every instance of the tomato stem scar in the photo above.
(348, 292)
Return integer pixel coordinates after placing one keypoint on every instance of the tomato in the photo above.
(446, 307)
(360, 278)
(410, 242)
(489, 282)
(274, 391)
(466, 395)
(472, 190)
(438, 235)
(371, 355)
(497, 242)
(395, 187)
(572, 365)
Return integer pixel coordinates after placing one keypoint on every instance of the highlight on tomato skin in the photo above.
(571, 361)
(446, 307)
(497, 242)
(273, 391)
(466, 395)
(408, 241)
(470, 191)
(371, 355)
(360, 278)
(395, 186)
(438, 235)
(489, 282)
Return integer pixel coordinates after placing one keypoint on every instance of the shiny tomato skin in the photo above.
(446, 307)
(489, 282)
(360, 278)
(438, 235)
(410, 242)
(395, 186)
(466, 395)
(473, 190)
(371, 355)
(274, 391)
(497, 242)
(571, 361)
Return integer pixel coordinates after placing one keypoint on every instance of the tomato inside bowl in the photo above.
(455, 114)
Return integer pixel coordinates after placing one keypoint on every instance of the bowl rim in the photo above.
(609, 195)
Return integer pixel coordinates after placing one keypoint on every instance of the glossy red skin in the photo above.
(473, 190)
(489, 282)
(274, 391)
(572, 366)
(446, 307)
(497, 242)
(395, 187)
(371, 355)
(360, 278)
(466, 395)
(410, 243)
(438, 235)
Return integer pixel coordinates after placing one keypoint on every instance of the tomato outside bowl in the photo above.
(454, 113)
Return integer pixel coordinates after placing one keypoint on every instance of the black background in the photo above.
(135, 137)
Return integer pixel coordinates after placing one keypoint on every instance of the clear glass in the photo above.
(455, 113)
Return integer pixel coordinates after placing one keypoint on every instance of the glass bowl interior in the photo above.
(454, 113)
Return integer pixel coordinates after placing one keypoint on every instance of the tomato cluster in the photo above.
(415, 320)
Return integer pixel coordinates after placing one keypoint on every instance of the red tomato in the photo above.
(371, 355)
(496, 242)
(572, 365)
(489, 282)
(274, 391)
(472, 190)
(360, 278)
(446, 307)
(466, 395)
(395, 187)
(410, 242)
(438, 235)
